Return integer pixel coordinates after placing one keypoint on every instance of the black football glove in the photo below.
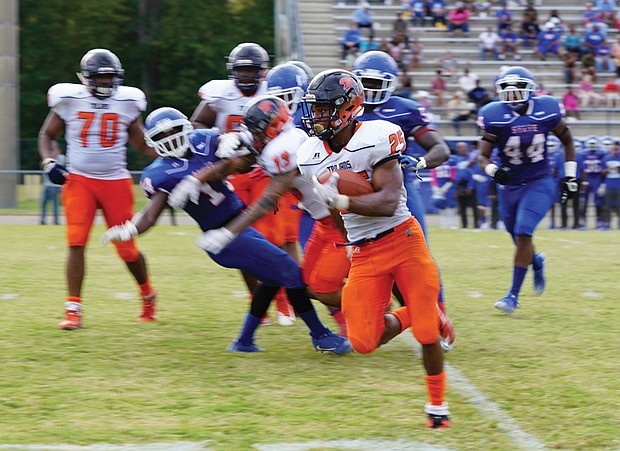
(569, 187)
(55, 171)
(501, 176)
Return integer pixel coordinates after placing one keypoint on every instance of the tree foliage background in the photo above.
(168, 48)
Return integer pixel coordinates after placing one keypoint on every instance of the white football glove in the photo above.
(187, 189)
(600, 192)
(230, 146)
(123, 232)
(214, 241)
(328, 192)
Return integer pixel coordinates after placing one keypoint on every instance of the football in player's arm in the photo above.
(185, 151)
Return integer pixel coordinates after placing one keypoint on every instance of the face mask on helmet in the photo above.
(265, 118)
(592, 144)
(289, 83)
(247, 66)
(379, 74)
(101, 72)
(167, 131)
(334, 99)
(515, 86)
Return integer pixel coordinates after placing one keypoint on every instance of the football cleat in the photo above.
(73, 316)
(508, 304)
(149, 303)
(236, 346)
(265, 320)
(438, 422)
(446, 331)
(330, 342)
(437, 416)
(286, 313)
(539, 274)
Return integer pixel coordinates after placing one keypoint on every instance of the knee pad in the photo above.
(361, 347)
(426, 334)
(127, 250)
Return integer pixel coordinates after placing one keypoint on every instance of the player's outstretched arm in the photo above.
(140, 223)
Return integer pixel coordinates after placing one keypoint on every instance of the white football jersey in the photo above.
(374, 142)
(225, 99)
(96, 129)
(280, 156)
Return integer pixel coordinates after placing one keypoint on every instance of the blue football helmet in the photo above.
(592, 144)
(553, 143)
(515, 86)
(288, 82)
(607, 143)
(167, 131)
(247, 65)
(578, 145)
(101, 62)
(379, 74)
(305, 68)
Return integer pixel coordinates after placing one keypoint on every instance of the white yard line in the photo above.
(357, 445)
(176, 446)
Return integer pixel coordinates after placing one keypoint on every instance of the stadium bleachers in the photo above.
(323, 21)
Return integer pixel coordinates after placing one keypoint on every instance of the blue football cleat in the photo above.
(539, 274)
(508, 304)
(236, 346)
(330, 342)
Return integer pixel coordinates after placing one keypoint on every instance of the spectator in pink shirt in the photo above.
(571, 103)
(458, 19)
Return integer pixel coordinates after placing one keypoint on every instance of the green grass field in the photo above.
(552, 366)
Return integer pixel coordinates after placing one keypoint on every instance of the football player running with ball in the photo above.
(98, 118)
(378, 73)
(185, 151)
(518, 125)
(387, 242)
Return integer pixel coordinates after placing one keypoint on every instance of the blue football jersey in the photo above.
(217, 204)
(591, 163)
(522, 139)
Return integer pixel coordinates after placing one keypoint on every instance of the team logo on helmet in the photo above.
(347, 83)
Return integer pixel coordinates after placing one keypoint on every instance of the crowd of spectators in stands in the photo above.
(583, 48)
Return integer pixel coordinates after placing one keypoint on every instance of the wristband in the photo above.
(490, 169)
(46, 162)
(570, 169)
(341, 202)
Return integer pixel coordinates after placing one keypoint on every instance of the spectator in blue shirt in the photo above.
(363, 17)
(351, 40)
(603, 60)
(504, 18)
(592, 39)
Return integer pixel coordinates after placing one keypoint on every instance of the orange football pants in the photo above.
(289, 216)
(325, 265)
(249, 187)
(402, 257)
(82, 196)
